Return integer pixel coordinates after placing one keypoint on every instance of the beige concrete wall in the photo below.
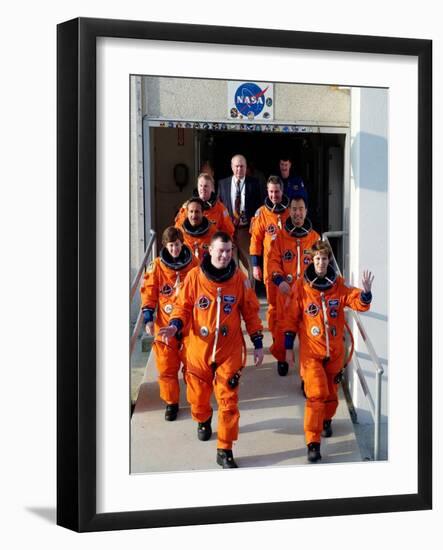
(193, 99)
(318, 105)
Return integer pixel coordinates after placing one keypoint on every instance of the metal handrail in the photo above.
(151, 251)
(374, 406)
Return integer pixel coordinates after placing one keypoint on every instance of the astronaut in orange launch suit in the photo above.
(316, 310)
(213, 208)
(288, 258)
(214, 298)
(159, 290)
(197, 230)
(266, 224)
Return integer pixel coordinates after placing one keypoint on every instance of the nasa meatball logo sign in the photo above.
(250, 101)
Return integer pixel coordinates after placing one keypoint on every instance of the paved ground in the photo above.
(271, 426)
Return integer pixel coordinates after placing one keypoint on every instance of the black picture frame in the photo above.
(76, 279)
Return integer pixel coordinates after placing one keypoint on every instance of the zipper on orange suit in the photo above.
(326, 322)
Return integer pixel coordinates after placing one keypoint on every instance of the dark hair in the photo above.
(222, 236)
(298, 198)
(197, 200)
(285, 157)
(171, 234)
(275, 180)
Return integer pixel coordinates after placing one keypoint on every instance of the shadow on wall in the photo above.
(369, 161)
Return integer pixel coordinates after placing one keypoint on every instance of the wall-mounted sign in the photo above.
(250, 101)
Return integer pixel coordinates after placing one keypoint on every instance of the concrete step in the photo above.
(271, 425)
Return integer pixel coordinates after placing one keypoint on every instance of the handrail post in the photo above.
(151, 251)
(377, 434)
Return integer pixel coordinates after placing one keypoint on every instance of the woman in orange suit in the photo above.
(316, 310)
(214, 298)
(159, 291)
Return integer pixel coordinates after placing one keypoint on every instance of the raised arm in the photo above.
(360, 299)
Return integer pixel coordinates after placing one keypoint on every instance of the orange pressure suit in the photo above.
(316, 311)
(197, 238)
(214, 210)
(216, 350)
(288, 259)
(160, 287)
(266, 225)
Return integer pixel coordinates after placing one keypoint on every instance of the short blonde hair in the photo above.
(207, 177)
(321, 247)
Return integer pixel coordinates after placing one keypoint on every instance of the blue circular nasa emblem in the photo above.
(333, 313)
(271, 229)
(227, 308)
(312, 310)
(203, 302)
(167, 290)
(306, 260)
(249, 99)
(288, 255)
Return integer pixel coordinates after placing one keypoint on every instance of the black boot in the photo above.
(204, 430)
(171, 412)
(327, 429)
(282, 368)
(314, 452)
(225, 459)
(302, 387)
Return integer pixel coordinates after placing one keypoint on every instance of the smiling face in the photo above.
(174, 248)
(275, 193)
(221, 253)
(298, 212)
(204, 188)
(321, 262)
(285, 168)
(195, 213)
(238, 166)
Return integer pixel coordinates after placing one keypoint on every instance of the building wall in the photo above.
(137, 244)
(200, 99)
(369, 230)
